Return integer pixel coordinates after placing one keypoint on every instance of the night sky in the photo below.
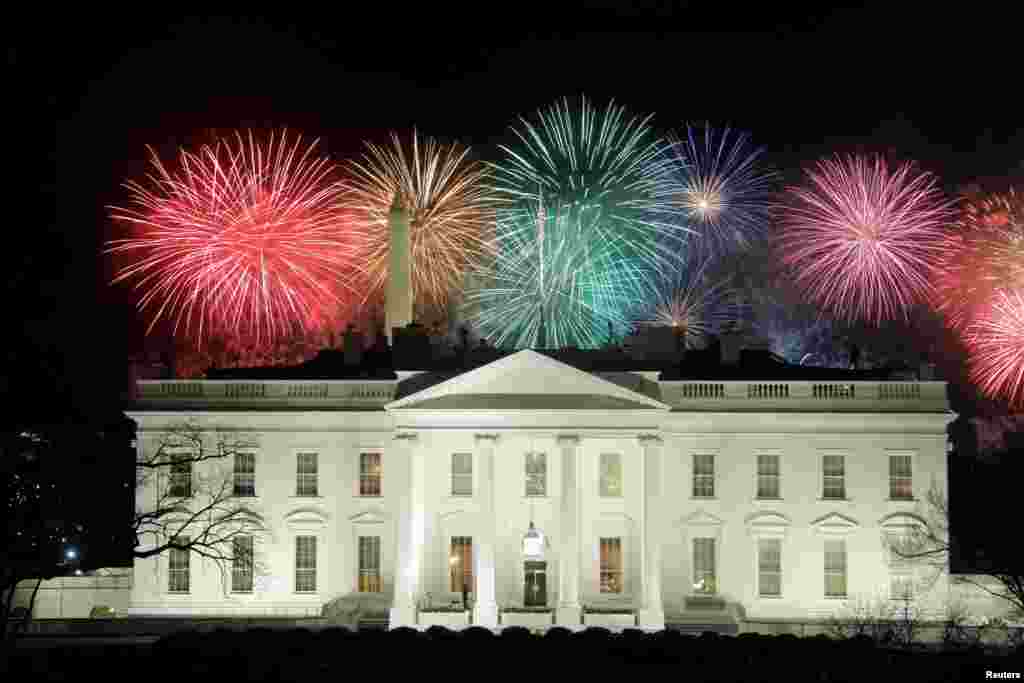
(804, 83)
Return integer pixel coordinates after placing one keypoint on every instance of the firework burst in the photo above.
(584, 224)
(865, 242)
(244, 238)
(726, 190)
(996, 343)
(450, 205)
(988, 255)
(695, 306)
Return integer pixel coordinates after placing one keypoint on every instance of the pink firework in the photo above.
(244, 238)
(996, 343)
(862, 241)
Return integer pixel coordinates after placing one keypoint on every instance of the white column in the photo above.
(569, 612)
(407, 458)
(485, 606)
(652, 613)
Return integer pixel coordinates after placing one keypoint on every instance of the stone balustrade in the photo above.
(286, 392)
(806, 396)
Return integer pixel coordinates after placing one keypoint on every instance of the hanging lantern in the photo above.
(533, 542)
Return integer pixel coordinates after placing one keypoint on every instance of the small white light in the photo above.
(71, 554)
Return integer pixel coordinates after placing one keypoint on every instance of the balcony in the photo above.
(806, 396)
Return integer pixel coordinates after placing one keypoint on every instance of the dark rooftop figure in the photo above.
(464, 335)
(854, 357)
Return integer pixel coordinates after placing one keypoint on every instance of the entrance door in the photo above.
(535, 593)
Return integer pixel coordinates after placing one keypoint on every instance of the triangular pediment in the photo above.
(527, 380)
(701, 518)
(835, 523)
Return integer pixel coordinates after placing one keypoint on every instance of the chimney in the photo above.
(353, 348)
(731, 340)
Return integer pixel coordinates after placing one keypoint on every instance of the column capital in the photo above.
(492, 438)
(410, 437)
(568, 439)
(650, 439)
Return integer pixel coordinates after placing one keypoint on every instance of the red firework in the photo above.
(996, 343)
(988, 255)
(244, 238)
(862, 241)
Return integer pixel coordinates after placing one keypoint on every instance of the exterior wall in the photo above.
(74, 597)
(734, 516)
(336, 516)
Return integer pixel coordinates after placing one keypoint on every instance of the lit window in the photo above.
(178, 569)
(241, 564)
(767, 476)
(611, 475)
(536, 474)
(834, 484)
(835, 569)
(900, 478)
(704, 476)
(305, 564)
(769, 567)
(369, 474)
(704, 579)
(369, 565)
(245, 474)
(461, 560)
(306, 474)
(611, 565)
(462, 474)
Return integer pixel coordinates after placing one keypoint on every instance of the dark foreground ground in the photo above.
(337, 654)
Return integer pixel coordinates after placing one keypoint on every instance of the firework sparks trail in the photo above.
(695, 306)
(865, 242)
(244, 238)
(584, 224)
(451, 210)
(726, 191)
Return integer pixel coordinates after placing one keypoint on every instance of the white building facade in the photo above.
(555, 496)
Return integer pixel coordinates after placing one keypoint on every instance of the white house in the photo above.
(559, 496)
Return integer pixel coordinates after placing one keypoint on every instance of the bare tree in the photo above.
(190, 498)
(927, 546)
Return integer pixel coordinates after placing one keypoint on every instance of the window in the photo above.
(245, 474)
(901, 586)
(241, 564)
(536, 474)
(306, 474)
(611, 475)
(835, 569)
(767, 476)
(461, 561)
(769, 567)
(178, 570)
(305, 564)
(181, 475)
(369, 565)
(704, 476)
(900, 478)
(462, 474)
(611, 565)
(369, 474)
(834, 484)
(704, 580)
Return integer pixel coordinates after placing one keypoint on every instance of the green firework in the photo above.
(585, 227)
